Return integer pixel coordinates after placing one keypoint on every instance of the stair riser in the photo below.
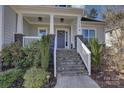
(73, 74)
(70, 68)
(69, 63)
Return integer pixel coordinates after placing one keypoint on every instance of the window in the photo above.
(42, 32)
(88, 33)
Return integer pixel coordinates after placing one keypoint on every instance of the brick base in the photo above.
(51, 61)
(19, 38)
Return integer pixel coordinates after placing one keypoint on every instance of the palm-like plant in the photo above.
(45, 45)
(96, 50)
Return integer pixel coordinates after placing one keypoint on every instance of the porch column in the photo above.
(79, 33)
(51, 24)
(20, 24)
(19, 34)
(78, 25)
(1, 26)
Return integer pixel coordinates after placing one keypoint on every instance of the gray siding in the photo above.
(100, 33)
(26, 28)
(9, 25)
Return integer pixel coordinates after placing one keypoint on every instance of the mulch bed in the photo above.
(51, 82)
(18, 83)
(109, 79)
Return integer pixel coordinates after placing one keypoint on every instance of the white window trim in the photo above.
(88, 31)
(66, 30)
(39, 28)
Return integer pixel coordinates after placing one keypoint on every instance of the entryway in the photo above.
(62, 38)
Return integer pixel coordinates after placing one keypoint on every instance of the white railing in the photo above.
(55, 47)
(85, 54)
(28, 39)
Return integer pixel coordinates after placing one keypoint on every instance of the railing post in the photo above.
(23, 42)
(89, 63)
(55, 47)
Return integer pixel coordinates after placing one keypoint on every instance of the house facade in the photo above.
(64, 24)
(113, 37)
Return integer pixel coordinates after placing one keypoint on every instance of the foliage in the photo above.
(93, 13)
(36, 53)
(44, 49)
(28, 57)
(34, 77)
(12, 54)
(114, 20)
(9, 76)
(96, 50)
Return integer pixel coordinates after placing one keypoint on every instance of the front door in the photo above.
(60, 39)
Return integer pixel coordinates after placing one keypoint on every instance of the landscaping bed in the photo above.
(112, 81)
(107, 68)
(27, 67)
(51, 82)
(108, 76)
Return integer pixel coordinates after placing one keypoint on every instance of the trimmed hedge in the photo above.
(34, 78)
(9, 76)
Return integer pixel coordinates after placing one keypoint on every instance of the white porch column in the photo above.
(51, 24)
(20, 24)
(78, 25)
(1, 26)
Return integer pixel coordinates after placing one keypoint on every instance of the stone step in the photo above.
(73, 73)
(66, 58)
(70, 54)
(70, 68)
(69, 63)
(69, 58)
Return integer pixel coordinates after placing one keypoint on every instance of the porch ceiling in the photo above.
(46, 19)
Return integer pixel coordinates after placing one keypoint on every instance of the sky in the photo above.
(100, 9)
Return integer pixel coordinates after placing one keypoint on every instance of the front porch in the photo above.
(63, 27)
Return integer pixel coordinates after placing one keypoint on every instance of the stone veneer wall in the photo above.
(51, 61)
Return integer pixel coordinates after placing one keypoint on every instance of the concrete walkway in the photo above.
(82, 81)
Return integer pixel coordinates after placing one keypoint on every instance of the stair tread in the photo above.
(63, 68)
(73, 73)
(70, 63)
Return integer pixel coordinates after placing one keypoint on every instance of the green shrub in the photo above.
(36, 53)
(29, 54)
(28, 58)
(9, 76)
(45, 45)
(41, 57)
(12, 54)
(24, 64)
(34, 77)
(96, 50)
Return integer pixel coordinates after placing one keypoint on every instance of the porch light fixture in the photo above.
(40, 18)
(62, 20)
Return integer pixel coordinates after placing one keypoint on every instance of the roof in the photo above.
(90, 19)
